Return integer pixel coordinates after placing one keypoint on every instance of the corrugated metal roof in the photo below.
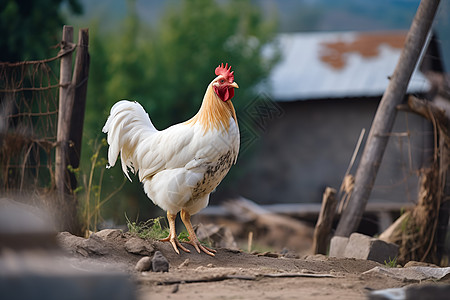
(338, 65)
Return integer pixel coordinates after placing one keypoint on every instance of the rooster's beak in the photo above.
(235, 85)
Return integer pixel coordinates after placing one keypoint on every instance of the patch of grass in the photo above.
(392, 263)
(152, 229)
(183, 236)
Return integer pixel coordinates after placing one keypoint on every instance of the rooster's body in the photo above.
(181, 165)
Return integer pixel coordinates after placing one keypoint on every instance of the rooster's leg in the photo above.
(193, 240)
(172, 238)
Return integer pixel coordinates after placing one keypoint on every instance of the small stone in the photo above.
(160, 263)
(109, 234)
(185, 263)
(138, 246)
(144, 264)
(413, 263)
(210, 266)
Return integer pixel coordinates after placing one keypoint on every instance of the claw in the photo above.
(193, 240)
(175, 244)
(172, 238)
(198, 246)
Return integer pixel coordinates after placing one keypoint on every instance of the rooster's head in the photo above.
(224, 83)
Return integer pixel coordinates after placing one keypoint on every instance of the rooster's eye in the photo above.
(222, 81)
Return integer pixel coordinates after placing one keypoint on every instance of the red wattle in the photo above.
(224, 94)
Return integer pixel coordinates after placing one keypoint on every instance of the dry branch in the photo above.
(270, 228)
(325, 221)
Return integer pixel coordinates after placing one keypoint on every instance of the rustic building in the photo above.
(325, 91)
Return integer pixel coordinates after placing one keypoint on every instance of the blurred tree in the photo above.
(197, 36)
(29, 27)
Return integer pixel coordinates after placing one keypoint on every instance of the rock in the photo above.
(160, 263)
(144, 264)
(109, 234)
(414, 263)
(139, 246)
(365, 247)
(337, 246)
(94, 245)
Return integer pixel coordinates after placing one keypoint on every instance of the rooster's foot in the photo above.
(175, 243)
(193, 240)
(172, 238)
(198, 246)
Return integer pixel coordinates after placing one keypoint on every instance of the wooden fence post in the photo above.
(79, 82)
(70, 124)
(385, 116)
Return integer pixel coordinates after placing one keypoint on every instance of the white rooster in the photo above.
(180, 166)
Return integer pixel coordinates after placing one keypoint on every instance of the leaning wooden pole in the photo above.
(385, 117)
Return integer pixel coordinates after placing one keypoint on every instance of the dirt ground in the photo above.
(344, 282)
(234, 274)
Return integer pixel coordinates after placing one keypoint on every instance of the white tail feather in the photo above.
(126, 125)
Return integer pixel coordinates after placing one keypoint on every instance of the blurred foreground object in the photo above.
(24, 226)
(32, 266)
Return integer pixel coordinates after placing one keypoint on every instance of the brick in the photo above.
(365, 247)
(337, 246)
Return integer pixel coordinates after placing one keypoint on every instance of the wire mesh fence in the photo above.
(28, 126)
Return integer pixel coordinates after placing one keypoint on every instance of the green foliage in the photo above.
(29, 27)
(392, 263)
(152, 229)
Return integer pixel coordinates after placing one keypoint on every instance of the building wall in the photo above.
(310, 146)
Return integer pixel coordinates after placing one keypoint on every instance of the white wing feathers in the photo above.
(142, 147)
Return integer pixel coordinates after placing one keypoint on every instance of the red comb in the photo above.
(225, 72)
